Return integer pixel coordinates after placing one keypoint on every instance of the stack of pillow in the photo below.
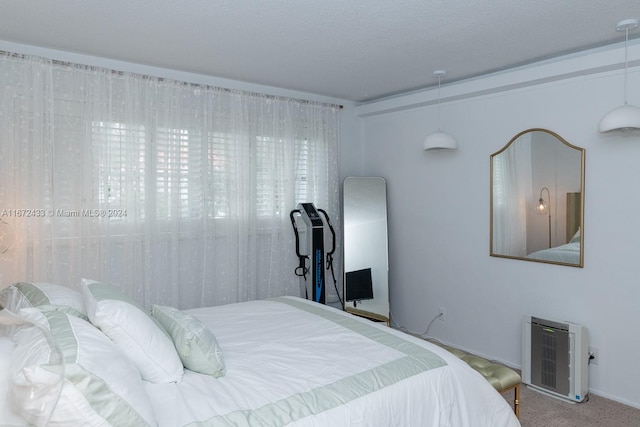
(110, 346)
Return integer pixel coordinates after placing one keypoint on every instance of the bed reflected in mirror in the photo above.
(537, 199)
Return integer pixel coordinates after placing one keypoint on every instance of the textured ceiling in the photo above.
(358, 50)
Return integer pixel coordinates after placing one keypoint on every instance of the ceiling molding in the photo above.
(608, 59)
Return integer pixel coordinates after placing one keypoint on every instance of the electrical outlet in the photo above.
(594, 356)
(442, 312)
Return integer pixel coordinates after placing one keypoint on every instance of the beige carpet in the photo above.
(540, 410)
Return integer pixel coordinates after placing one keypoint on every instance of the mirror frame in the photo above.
(582, 152)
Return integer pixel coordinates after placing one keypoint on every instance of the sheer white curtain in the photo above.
(177, 193)
(511, 184)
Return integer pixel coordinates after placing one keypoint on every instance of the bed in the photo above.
(282, 361)
(568, 253)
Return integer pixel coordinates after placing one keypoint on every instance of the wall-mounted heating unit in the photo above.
(555, 358)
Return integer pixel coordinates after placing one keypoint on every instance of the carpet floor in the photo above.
(540, 410)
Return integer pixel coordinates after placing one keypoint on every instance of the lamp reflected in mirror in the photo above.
(543, 208)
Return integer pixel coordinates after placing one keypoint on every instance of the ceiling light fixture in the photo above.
(440, 140)
(626, 117)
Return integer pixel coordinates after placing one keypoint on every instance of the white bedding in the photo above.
(7, 416)
(291, 362)
(567, 253)
(294, 362)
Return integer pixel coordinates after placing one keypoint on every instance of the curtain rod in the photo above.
(162, 79)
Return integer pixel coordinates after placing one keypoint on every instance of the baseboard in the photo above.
(614, 398)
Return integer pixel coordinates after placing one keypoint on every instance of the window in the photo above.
(206, 176)
(119, 153)
(190, 185)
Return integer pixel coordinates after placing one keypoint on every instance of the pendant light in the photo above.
(439, 140)
(626, 117)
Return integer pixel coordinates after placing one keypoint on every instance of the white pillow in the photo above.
(35, 294)
(134, 331)
(576, 237)
(101, 387)
(197, 346)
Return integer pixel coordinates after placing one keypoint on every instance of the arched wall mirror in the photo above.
(366, 261)
(537, 199)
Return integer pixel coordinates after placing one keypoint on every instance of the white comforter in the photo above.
(568, 253)
(293, 362)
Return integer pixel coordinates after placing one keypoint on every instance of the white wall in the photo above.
(439, 212)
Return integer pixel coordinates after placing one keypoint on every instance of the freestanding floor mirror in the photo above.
(366, 262)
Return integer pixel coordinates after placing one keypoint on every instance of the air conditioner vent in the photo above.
(548, 360)
(555, 357)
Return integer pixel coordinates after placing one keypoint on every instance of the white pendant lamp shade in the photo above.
(439, 140)
(623, 118)
(626, 117)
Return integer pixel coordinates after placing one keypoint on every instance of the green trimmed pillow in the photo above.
(35, 294)
(197, 346)
(101, 385)
(137, 334)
